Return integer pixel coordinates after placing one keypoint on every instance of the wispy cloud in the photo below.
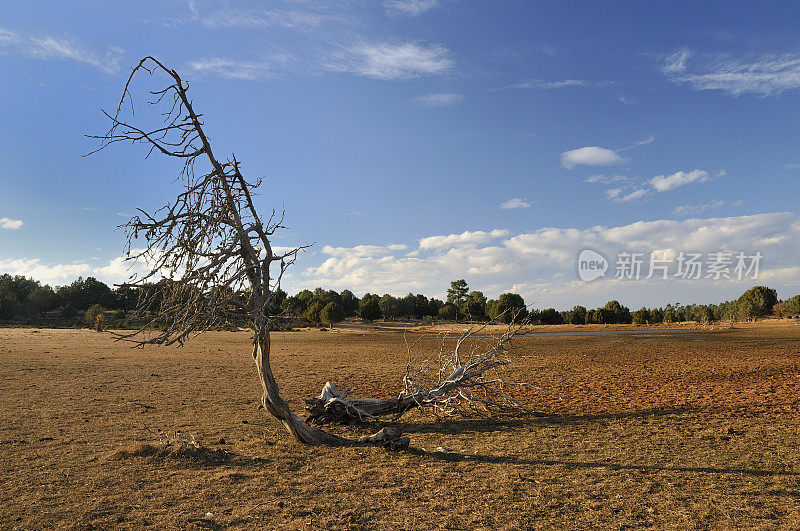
(605, 179)
(792, 166)
(10, 224)
(541, 84)
(411, 8)
(392, 61)
(627, 190)
(232, 68)
(438, 100)
(55, 48)
(765, 75)
(514, 203)
(694, 210)
(676, 62)
(261, 18)
(649, 139)
(590, 156)
(618, 195)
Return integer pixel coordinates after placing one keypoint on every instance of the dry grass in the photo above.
(696, 430)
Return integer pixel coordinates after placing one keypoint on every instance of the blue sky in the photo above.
(420, 141)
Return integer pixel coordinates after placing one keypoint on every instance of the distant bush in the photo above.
(94, 316)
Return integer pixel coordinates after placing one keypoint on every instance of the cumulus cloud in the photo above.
(515, 202)
(590, 156)
(664, 183)
(10, 224)
(765, 75)
(392, 61)
(465, 238)
(541, 265)
(438, 100)
(57, 48)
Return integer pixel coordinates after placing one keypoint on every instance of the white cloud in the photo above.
(693, 210)
(765, 75)
(627, 101)
(438, 100)
(515, 202)
(392, 61)
(54, 48)
(10, 224)
(260, 18)
(632, 196)
(606, 179)
(590, 156)
(541, 264)
(664, 183)
(363, 250)
(649, 139)
(409, 7)
(465, 238)
(792, 166)
(676, 62)
(232, 68)
(540, 84)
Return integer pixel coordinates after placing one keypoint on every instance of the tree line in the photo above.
(27, 299)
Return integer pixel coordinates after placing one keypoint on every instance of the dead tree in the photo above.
(470, 377)
(209, 257)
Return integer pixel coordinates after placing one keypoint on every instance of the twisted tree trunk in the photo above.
(272, 401)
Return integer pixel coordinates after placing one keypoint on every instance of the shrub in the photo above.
(94, 316)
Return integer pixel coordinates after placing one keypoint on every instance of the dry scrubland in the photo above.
(691, 430)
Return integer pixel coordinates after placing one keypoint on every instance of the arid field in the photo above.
(691, 429)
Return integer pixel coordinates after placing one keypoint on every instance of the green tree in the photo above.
(475, 305)
(578, 315)
(349, 303)
(313, 311)
(793, 305)
(550, 316)
(457, 294)
(332, 313)
(434, 305)
(390, 306)
(758, 301)
(42, 299)
(613, 312)
(641, 316)
(369, 307)
(508, 307)
(448, 312)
